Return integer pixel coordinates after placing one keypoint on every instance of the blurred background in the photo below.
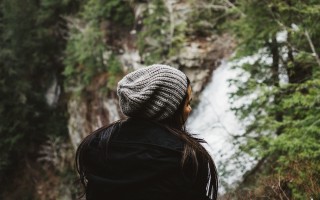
(254, 66)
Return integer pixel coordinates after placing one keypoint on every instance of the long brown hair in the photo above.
(193, 150)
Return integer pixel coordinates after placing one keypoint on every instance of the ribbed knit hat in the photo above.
(153, 92)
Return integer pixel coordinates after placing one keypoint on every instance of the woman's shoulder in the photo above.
(141, 131)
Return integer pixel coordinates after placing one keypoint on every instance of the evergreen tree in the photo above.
(283, 81)
(31, 35)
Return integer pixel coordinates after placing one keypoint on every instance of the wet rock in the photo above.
(77, 125)
(90, 112)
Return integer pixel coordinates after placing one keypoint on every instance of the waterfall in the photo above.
(53, 93)
(213, 120)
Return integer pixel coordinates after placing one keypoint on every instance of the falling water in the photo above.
(213, 120)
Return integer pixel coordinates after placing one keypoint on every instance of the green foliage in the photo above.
(29, 60)
(207, 17)
(283, 117)
(86, 47)
(114, 71)
(153, 41)
(84, 55)
(165, 32)
(117, 11)
(160, 37)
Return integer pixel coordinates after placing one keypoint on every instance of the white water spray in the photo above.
(216, 123)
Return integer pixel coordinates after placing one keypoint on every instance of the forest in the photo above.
(60, 61)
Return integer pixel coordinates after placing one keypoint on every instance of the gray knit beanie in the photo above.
(153, 92)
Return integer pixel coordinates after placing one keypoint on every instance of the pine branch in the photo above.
(312, 46)
(171, 18)
(235, 7)
(214, 7)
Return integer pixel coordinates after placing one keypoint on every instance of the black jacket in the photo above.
(143, 163)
